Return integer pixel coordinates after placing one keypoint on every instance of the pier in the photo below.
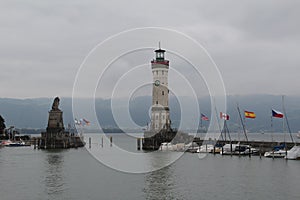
(262, 146)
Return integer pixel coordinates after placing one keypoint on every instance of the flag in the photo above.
(86, 122)
(203, 117)
(277, 114)
(224, 116)
(249, 114)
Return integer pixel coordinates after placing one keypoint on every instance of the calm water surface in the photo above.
(26, 173)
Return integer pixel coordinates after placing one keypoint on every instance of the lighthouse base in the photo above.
(153, 140)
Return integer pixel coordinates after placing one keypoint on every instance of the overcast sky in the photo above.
(255, 43)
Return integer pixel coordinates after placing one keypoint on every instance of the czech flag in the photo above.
(249, 114)
(224, 116)
(277, 114)
(204, 118)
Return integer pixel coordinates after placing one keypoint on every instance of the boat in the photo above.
(293, 153)
(238, 149)
(6, 142)
(277, 152)
(192, 147)
(207, 148)
(9, 143)
(281, 150)
(281, 153)
(167, 146)
(18, 144)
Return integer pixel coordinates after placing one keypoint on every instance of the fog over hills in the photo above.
(33, 113)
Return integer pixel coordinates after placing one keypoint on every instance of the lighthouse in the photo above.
(160, 128)
(160, 113)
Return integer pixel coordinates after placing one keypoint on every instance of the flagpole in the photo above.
(217, 116)
(243, 125)
(287, 122)
(201, 122)
(283, 127)
(272, 126)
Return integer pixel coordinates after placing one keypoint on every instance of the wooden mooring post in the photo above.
(138, 140)
(34, 143)
(111, 140)
(90, 142)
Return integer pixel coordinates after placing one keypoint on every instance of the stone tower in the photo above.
(160, 115)
(160, 129)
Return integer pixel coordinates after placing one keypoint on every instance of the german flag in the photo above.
(249, 114)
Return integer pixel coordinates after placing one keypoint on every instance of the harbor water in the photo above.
(26, 173)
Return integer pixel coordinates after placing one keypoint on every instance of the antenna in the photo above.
(159, 44)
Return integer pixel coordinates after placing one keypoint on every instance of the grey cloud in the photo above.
(42, 41)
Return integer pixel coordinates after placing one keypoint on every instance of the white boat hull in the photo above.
(293, 153)
(275, 154)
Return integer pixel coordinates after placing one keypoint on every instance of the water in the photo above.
(26, 173)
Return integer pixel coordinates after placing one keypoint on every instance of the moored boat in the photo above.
(238, 149)
(275, 154)
(18, 144)
(6, 142)
(293, 153)
(9, 143)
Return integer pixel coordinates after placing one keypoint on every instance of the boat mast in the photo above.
(286, 120)
(243, 124)
(272, 137)
(218, 121)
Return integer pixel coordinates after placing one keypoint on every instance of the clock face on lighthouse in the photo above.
(157, 83)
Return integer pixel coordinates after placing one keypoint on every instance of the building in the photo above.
(160, 112)
(160, 127)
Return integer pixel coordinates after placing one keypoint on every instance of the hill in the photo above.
(33, 113)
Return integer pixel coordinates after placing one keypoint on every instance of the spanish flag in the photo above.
(249, 114)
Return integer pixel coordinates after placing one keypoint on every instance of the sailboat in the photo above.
(281, 150)
(293, 153)
(238, 149)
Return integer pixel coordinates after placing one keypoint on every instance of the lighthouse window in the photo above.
(163, 93)
(156, 102)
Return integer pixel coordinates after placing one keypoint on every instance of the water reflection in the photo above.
(54, 179)
(160, 184)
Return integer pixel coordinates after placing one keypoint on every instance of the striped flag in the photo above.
(249, 114)
(204, 118)
(277, 114)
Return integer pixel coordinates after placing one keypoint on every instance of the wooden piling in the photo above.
(138, 140)
(260, 151)
(90, 142)
(102, 141)
(34, 143)
(111, 140)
